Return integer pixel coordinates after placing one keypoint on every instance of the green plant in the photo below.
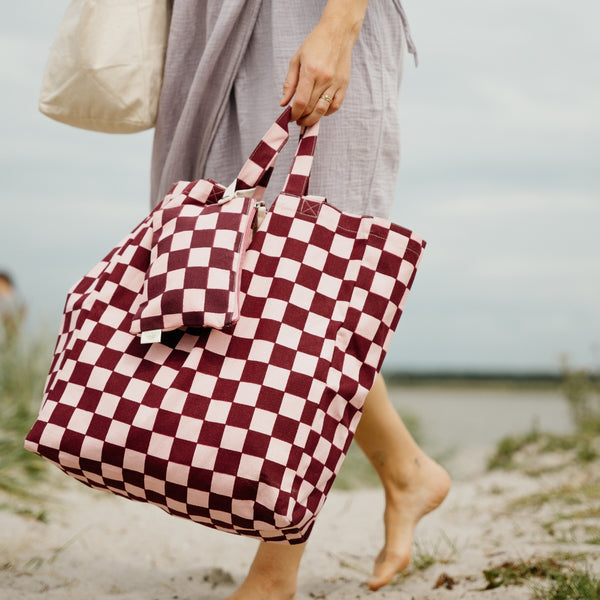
(442, 551)
(23, 367)
(583, 444)
(586, 453)
(581, 389)
(508, 446)
(592, 533)
(570, 584)
(516, 573)
(567, 495)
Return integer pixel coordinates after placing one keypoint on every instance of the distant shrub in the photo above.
(581, 389)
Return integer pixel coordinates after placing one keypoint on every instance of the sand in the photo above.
(98, 546)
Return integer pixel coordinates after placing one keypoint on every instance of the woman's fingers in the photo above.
(326, 103)
(321, 108)
(291, 80)
(314, 99)
(305, 97)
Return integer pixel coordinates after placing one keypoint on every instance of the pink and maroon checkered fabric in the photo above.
(195, 262)
(241, 429)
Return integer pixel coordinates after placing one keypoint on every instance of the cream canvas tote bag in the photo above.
(104, 70)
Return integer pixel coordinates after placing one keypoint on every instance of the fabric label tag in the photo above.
(151, 337)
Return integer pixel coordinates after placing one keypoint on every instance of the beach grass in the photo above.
(567, 495)
(519, 572)
(581, 391)
(24, 362)
(557, 577)
(569, 584)
(425, 554)
(519, 452)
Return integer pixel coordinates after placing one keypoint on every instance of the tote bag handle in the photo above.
(257, 170)
(298, 178)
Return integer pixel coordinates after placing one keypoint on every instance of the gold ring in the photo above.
(327, 98)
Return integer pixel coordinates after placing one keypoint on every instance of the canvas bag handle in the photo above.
(298, 178)
(257, 170)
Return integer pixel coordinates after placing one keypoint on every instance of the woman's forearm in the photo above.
(345, 17)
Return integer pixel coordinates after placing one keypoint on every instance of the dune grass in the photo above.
(425, 554)
(569, 584)
(24, 362)
(560, 577)
(581, 391)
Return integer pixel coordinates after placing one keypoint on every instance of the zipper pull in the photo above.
(231, 193)
(261, 213)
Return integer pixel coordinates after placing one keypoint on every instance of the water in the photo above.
(452, 418)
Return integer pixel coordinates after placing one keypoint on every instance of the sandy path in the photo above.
(99, 546)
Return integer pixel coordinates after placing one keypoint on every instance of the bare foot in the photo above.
(273, 573)
(260, 591)
(406, 504)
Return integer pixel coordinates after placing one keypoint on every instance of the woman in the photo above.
(226, 62)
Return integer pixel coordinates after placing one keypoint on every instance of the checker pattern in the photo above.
(195, 263)
(241, 429)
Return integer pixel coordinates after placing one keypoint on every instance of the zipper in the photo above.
(254, 215)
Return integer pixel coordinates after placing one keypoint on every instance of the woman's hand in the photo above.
(319, 72)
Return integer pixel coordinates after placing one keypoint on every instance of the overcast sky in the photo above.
(501, 175)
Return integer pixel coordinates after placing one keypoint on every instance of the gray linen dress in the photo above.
(225, 67)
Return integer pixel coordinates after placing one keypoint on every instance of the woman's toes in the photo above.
(387, 564)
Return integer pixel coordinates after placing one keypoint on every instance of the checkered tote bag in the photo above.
(242, 428)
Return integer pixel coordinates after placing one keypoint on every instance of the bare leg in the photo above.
(273, 574)
(414, 484)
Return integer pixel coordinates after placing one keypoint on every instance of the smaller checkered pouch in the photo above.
(198, 243)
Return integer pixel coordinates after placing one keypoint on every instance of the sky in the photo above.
(500, 174)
